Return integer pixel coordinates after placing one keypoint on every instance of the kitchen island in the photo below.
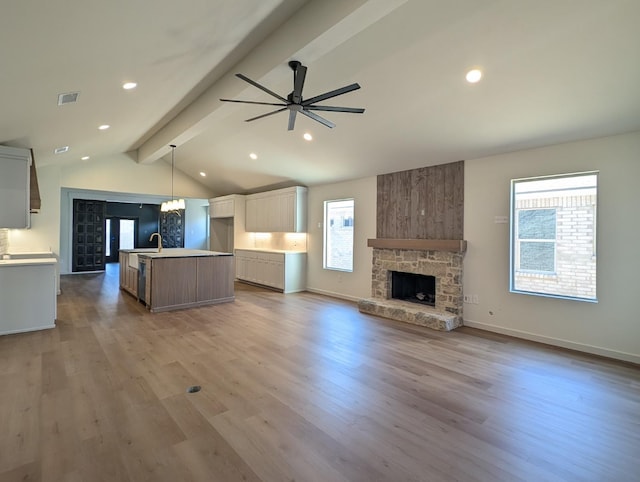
(177, 278)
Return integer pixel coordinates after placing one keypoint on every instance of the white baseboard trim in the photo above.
(27, 330)
(334, 295)
(595, 350)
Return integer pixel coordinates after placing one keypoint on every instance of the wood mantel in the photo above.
(452, 245)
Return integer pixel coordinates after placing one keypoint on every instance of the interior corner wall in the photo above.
(357, 284)
(609, 327)
(196, 234)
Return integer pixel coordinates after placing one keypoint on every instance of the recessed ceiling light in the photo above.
(474, 76)
(129, 85)
(253, 156)
(61, 150)
(203, 174)
(104, 127)
(307, 136)
(84, 158)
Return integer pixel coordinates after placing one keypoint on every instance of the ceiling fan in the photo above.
(295, 103)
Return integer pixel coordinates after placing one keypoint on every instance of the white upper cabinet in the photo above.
(279, 211)
(223, 206)
(15, 164)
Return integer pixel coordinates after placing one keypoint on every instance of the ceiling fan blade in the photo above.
(316, 117)
(353, 110)
(298, 83)
(265, 115)
(333, 93)
(292, 119)
(251, 102)
(261, 87)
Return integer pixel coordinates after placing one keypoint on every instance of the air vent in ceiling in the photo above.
(60, 150)
(68, 98)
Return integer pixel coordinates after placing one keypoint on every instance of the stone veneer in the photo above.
(445, 266)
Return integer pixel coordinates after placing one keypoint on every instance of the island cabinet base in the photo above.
(195, 304)
(174, 283)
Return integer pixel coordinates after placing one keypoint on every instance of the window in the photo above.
(553, 236)
(338, 235)
(536, 243)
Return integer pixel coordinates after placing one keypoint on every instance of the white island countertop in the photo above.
(179, 253)
(278, 251)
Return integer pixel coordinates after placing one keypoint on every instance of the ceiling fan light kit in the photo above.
(295, 103)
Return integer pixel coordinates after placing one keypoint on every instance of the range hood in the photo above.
(34, 192)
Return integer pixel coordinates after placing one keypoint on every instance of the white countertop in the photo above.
(280, 251)
(180, 253)
(141, 250)
(27, 262)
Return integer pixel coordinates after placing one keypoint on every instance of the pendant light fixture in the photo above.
(174, 204)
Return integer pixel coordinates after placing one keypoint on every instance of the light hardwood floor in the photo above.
(300, 387)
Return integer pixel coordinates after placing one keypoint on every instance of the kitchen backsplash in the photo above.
(4, 241)
(280, 241)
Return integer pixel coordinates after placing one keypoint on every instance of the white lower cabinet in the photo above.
(27, 295)
(285, 271)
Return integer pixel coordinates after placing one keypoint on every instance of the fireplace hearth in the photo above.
(433, 275)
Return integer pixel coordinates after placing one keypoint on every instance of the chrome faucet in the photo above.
(159, 241)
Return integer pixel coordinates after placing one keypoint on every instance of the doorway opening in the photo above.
(120, 234)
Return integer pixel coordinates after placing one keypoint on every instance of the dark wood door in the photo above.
(88, 242)
(172, 229)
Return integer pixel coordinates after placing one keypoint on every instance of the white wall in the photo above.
(121, 174)
(118, 174)
(196, 235)
(353, 285)
(610, 327)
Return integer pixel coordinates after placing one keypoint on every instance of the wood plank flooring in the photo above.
(300, 387)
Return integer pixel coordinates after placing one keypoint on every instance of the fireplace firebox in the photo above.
(413, 287)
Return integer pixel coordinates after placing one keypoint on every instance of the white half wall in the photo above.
(610, 327)
(357, 284)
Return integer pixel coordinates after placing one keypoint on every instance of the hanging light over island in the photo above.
(174, 204)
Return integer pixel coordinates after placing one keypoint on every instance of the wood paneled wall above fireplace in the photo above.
(424, 203)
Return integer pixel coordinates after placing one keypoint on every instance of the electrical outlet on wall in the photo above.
(466, 298)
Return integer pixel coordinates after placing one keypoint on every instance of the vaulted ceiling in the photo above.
(552, 72)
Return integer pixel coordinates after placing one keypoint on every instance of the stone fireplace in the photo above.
(443, 265)
(419, 231)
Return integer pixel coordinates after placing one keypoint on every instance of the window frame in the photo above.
(514, 242)
(326, 243)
